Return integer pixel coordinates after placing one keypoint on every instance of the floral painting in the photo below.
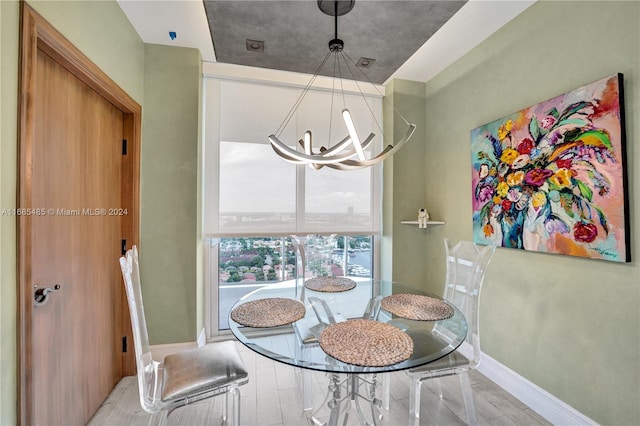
(551, 178)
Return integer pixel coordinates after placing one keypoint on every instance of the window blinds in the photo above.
(249, 190)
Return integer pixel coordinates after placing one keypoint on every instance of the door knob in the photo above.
(41, 294)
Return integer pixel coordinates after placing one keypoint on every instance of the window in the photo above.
(254, 200)
(246, 264)
(250, 199)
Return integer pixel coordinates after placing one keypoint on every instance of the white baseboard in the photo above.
(539, 400)
(202, 338)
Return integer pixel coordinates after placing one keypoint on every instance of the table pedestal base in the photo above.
(344, 397)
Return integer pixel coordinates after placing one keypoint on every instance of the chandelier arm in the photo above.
(294, 161)
(365, 144)
(325, 157)
(355, 165)
(304, 158)
(383, 155)
(340, 146)
(351, 128)
(308, 142)
(286, 157)
(335, 149)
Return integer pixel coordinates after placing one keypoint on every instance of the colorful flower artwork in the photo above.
(551, 178)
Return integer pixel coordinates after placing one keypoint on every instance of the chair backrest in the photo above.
(322, 310)
(466, 267)
(301, 266)
(372, 310)
(314, 257)
(319, 256)
(148, 378)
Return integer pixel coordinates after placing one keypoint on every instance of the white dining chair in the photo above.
(318, 252)
(466, 267)
(185, 377)
(308, 329)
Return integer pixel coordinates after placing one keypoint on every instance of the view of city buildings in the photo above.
(275, 259)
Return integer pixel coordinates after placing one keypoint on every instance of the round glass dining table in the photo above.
(432, 340)
(297, 343)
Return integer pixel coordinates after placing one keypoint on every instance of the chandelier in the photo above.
(349, 153)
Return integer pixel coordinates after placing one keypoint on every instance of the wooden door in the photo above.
(77, 170)
(78, 191)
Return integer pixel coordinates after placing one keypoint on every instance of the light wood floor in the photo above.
(272, 398)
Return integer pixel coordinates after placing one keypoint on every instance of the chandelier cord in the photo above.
(333, 92)
(364, 98)
(377, 90)
(337, 156)
(344, 100)
(297, 103)
(335, 14)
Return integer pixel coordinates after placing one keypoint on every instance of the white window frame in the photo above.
(213, 75)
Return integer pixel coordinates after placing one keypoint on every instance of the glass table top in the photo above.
(297, 344)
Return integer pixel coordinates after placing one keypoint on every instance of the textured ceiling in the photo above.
(296, 33)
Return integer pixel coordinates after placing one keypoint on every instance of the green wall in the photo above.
(169, 170)
(104, 34)
(167, 80)
(403, 185)
(8, 93)
(569, 325)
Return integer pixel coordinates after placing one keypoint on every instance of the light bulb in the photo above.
(346, 115)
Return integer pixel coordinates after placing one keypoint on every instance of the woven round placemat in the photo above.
(330, 284)
(417, 307)
(269, 312)
(366, 343)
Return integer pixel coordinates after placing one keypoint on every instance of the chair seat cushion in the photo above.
(200, 370)
(453, 360)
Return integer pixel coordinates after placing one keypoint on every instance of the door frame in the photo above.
(36, 33)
